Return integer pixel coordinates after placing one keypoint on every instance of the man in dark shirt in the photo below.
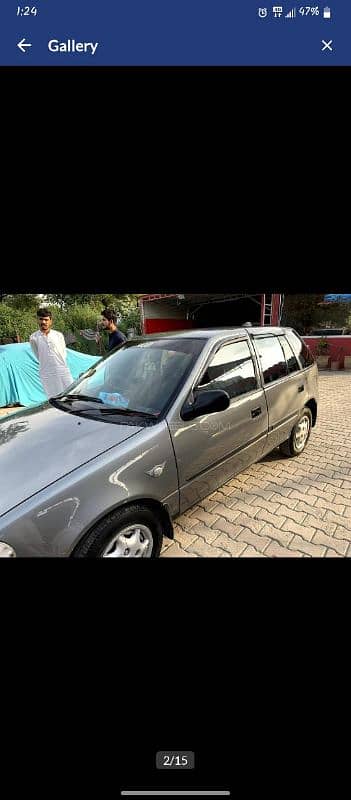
(109, 322)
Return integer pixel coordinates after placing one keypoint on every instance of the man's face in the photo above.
(45, 324)
(105, 323)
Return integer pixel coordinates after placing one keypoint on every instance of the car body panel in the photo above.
(52, 522)
(61, 473)
(36, 444)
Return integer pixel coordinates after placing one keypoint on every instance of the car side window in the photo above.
(300, 349)
(272, 358)
(231, 369)
(291, 360)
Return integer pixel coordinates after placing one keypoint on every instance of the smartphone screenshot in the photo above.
(175, 417)
(174, 33)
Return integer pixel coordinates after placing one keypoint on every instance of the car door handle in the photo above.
(301, 388)
(255, 412)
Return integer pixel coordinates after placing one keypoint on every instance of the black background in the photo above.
(214, 177)
(244, 662)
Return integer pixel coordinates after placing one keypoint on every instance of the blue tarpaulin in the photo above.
(19, 373)
(342, 298)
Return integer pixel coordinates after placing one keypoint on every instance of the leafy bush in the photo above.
(14, 322)
(131, 320)
(79, 317)
(322, 348)
(23, 302)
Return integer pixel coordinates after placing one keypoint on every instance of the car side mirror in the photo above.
(207, 402)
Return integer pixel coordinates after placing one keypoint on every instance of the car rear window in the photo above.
(300, 349)
(291, 360)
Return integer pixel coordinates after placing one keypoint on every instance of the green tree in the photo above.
(337, 315)
(23, 302)
(67, 300)
(306, 311)
(302, 311)
(15, 322)
(121, 302)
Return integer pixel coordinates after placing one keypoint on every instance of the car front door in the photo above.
(213, 447)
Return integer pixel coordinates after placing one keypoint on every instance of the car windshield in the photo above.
(141, 377)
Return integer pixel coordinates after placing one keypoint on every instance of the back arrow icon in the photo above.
(22, 45)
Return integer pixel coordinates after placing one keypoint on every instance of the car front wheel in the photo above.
(299, 435)
(133, 532)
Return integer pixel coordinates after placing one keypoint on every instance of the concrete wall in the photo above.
(339, 346)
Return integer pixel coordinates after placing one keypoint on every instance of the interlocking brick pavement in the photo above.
(282, 507)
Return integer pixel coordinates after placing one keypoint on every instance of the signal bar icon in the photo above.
(291, 14)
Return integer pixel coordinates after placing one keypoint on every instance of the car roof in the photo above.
(216, 333)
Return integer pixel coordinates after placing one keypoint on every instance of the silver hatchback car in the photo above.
(102, 469)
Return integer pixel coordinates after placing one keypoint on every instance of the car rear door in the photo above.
(283, 383)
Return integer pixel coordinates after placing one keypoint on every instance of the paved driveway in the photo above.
(299, 507)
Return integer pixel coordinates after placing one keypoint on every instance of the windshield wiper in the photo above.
(60, 402)
(128, 411)
(84, 397)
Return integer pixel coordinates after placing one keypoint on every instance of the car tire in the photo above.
(134, 532)
(299, 436)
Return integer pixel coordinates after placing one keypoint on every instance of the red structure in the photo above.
(171, 312)
(338, 347)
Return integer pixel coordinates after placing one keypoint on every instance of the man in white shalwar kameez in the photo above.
(49, 347)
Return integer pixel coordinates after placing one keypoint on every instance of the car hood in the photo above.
(41, 445)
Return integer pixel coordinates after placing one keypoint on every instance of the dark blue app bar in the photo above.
(174, 33)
